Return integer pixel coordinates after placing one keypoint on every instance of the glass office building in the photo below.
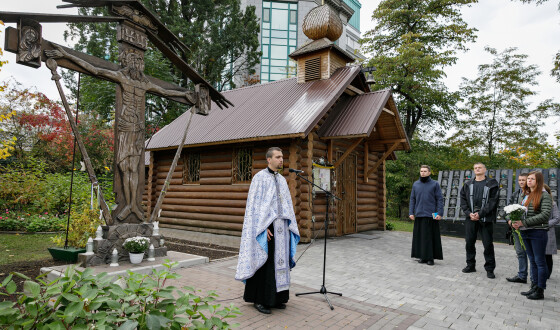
(279, 30)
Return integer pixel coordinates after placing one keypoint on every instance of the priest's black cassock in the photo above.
(425, 201)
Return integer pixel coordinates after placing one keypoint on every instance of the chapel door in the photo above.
(346, 189)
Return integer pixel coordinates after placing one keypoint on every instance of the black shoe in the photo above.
(516, 279)
(490, 274)
(469, 269)
(280, 306)
(538, 294)
(531, 290)
(430, 263)
(262, 309)
(422, 261)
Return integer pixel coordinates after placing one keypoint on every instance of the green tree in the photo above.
(223, 43)
(413, 41)
(497, 114)
(402, 173)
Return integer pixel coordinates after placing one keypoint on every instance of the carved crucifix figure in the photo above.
(136, 25)
(130, 120)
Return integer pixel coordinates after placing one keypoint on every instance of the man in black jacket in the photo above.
(479, 202)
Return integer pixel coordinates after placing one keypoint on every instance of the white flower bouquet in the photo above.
(516, 212)
(136, 244)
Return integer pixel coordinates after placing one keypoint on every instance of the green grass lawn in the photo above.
(14, 247)
(401, 225)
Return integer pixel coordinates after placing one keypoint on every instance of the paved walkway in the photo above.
(383, 288)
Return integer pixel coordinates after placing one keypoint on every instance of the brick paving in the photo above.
(383, 288)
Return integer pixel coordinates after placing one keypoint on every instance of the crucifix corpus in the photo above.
(136, 26)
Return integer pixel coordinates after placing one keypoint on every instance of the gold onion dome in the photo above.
(322, 22)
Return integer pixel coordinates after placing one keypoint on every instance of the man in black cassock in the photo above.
(425, 209)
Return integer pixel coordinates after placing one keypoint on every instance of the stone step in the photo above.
(183, 260)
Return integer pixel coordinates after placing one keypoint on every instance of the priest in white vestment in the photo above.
(269, 238)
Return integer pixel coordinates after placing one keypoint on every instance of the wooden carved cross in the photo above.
(136, 25)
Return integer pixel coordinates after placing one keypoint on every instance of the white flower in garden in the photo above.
(136, 244)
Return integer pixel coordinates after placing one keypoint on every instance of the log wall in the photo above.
(215, 205)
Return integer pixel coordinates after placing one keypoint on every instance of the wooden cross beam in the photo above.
(348, 151)
(385, 155)
(11, 45)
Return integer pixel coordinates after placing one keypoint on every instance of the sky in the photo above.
(534, 30)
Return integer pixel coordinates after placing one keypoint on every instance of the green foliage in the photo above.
(218, 34)
(496, 114)
(83, 224)
(27, 187)
(402, 172)
(12, 221)
(412, 42)
(82, 300)
(389, 225)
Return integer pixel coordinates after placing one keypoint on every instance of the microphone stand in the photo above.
(323, 290)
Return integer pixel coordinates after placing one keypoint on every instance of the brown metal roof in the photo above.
(282, 108)
(356, 116)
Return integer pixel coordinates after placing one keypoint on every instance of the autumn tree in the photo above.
(412, 43)
(223, 43)
(497, 114)
(42, 130)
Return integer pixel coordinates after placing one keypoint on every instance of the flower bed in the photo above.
(32, 223)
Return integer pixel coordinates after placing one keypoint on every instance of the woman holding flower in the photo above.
(535, 237)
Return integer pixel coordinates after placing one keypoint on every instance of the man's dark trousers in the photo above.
(486, 230)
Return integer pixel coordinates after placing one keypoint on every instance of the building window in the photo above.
(191, 168)
(242, 166)
(278, 39)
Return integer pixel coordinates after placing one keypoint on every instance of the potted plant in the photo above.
(136, 246)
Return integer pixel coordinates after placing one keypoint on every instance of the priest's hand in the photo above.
(268, 234)
(411, 217)
(438, 217)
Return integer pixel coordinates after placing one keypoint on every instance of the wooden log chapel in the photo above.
(328, 124)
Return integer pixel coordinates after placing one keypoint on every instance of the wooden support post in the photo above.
(150, 182)
(382, 159)
(155, 214)
(52, 65)
(366, 161)
(348, 151)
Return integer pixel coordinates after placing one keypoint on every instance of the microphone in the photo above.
(295, 171)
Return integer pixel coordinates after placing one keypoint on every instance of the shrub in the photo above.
(10, 221)
(37, 223)
(31, 189)
(81, 300)
(83, 224)
(389, 225)
(10, 224)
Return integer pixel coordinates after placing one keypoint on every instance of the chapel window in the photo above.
(242, 166)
